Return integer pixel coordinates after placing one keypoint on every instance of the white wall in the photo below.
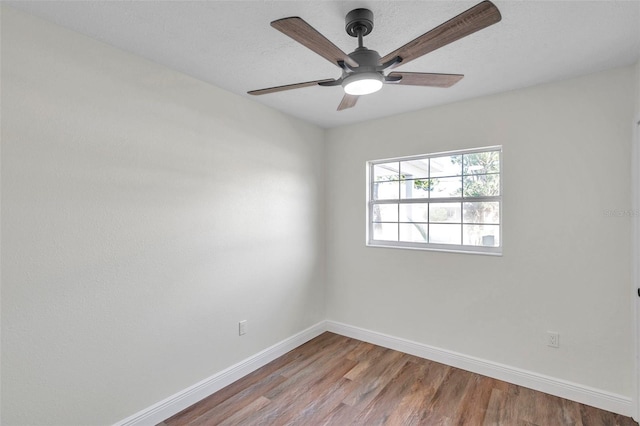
(636, 243)
(144, 213)
(566, 265)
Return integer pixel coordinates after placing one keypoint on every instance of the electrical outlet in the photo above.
(553, 339)
(242, 327)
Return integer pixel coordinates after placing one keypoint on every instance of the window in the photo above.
(446, 201)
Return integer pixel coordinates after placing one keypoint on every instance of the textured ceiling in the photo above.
(231, 45)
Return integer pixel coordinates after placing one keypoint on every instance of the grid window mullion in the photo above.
(398, 220)
(428, 222)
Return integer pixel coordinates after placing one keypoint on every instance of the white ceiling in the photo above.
(230, 44)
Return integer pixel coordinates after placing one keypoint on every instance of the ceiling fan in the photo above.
(363, 70)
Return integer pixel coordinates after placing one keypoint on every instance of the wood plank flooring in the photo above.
(335, 380)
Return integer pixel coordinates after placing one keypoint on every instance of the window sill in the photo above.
(462, 250)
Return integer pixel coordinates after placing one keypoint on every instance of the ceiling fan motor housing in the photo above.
(367, 59)
(359, 20)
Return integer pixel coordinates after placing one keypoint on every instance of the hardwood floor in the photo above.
(335, 380)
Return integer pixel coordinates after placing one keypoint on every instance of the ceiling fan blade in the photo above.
(348, 101)
(305, 34)
(468, 22)
(425, 79)
(289, 87)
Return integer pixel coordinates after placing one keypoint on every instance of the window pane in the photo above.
(414, 212)
(415, 188)
(446, 187)
(450, 165)
(445, 234)
(437, 201)
(488, 212)
(482, 162)
(385, 190)
(445, 212)
(384, 213)
(415, 169)
(481, 235)
(414, 232)
(385, 172)
(385, 231)
(481, 185)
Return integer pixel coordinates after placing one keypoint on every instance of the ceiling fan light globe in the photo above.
(363, 84)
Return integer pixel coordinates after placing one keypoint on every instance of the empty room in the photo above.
(320, 213)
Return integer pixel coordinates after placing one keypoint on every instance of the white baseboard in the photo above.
(187, 397)
(551, 385)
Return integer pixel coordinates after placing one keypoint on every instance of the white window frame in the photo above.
(462, 248)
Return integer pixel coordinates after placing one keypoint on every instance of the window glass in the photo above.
(385, 172)
(446, 201)
(450, 165)
(415, 169)
(385, 213)
(445, 212)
